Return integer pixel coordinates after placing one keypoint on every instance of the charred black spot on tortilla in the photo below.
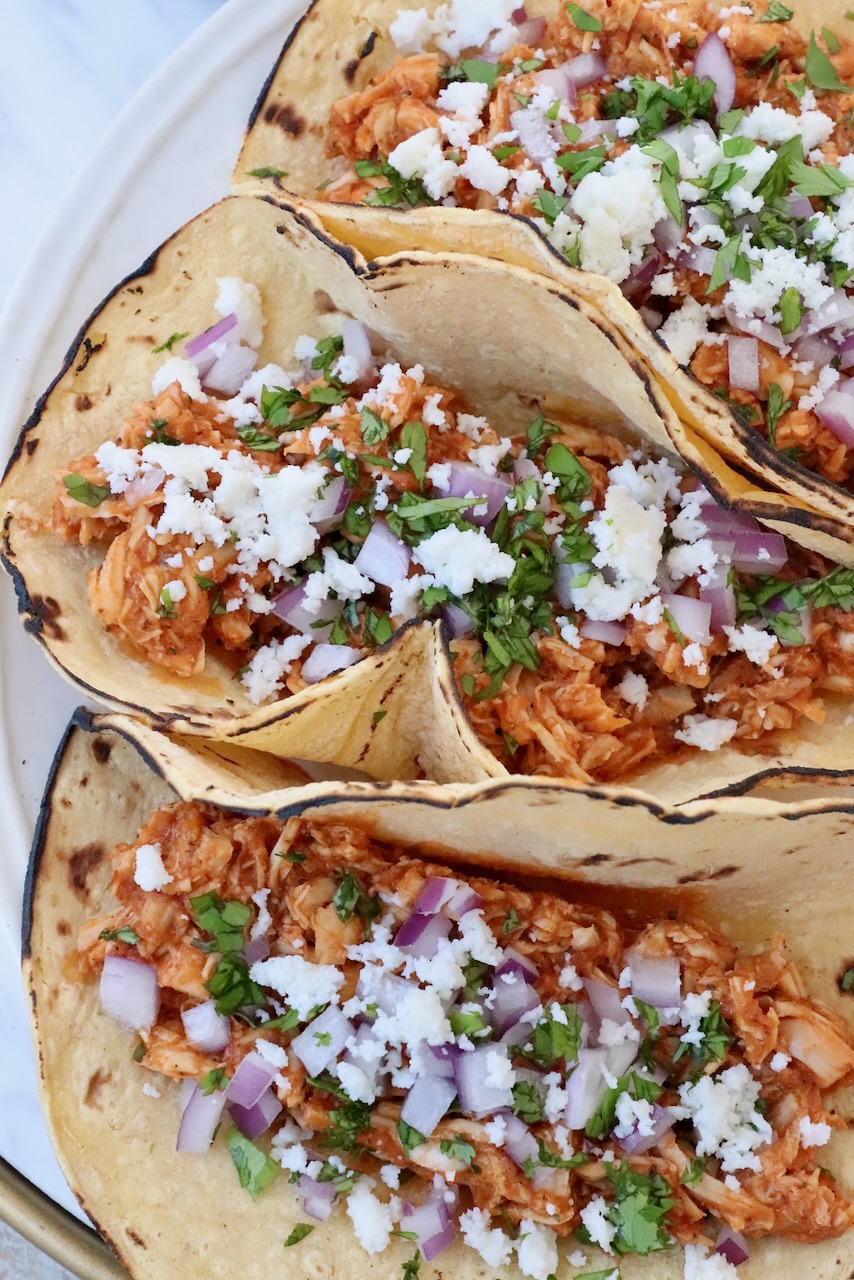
(89, 348)
(286, 118)
(82, 403)
(101, 749)
(96, 1083)
(323, 302)
(368, 47)
(723, 873)
(84, 781)
(47, 612)
(596, 859)
(31, 446)
(135, 1239)
(65, 802)
(81, 865)
(63, 928)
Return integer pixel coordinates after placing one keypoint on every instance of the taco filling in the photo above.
(604, 611)
(454, 1057)
(699, 158)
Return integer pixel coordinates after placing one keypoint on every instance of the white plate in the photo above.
(169, 155)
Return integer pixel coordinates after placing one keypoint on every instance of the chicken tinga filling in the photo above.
(698, 157)
(450, 1057)
(603, 610)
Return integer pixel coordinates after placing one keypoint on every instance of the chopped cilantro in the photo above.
(649, 1015)
(511, 921)
(693, 1171)
(505, 152)
(414, 437)
(159, 434)
(226, 920)
(374, 428)
(300, 1231)
(216, 1079)
(474, 69)
(417, 508)
(552, 1039)
(575, 481)
(233, 989)
(350, 899)
(138, 1052)
(831, 39)
(674, 627)
(328, 395)
(458, 1149)
(582, 19)
(82, 490)
(285, 1022)
(323, 1038)
(260, 441)
(294, 857)
(821, 72)
(267, 171)
(846, 982)
(170, 342)
(549, 204)
(824, 180)
(347, 1123)
(527, 1103)
(579, 163)
(119, 935)
(412, 1267)
(468, 1023)
(254, 1169)
(790, 310)
(377, 716)
(777, 12)
(409, 1137)
(777, 405)
(166, 608)
(640, 1208)
(716, 1038)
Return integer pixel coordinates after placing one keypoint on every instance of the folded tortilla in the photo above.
(335, 50)
(734, 863)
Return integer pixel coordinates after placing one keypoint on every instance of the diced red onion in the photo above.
(720, 596)
(585, 1088)
(531, 30)
(462, 901)
(527, 469)
(436, 892)
(515, 962)
(756, 328)
(427, 1101)
(641, 276)
(519, 1143)
(357, 347)
(198, 1125)
(256, 949)
(668, 235)
(477, 1098)
(838, 310)
(458, 622)
(836, 412)
(712, 62)
(252, 1077)
(444, 1055)
(253, 1121)
(692, 617)
(816, 350)
(431, 1225)
(699, 258)
(732, 1246)
(465, 479)
(586, 69)
(535, 137)
(358, 1054)
(685, 139)
(289, 606)
(129, 992)
(386, 993)
(206, 1029)
(318, 1198)
(636, 1143)
(606, 632)
(718, 520)
(309, 1047)
(606, 1001)
(594, 130)
(799, 206)
(383, 557)
(656, 981)
(143, 486)
(203, 340)
(325, 659)
(565, 575)
(420, 935)
(743, 357)
(759, 552)
(331, 505)
(512, 1000)
(556, 79)
(229, 372)
(652, 317)
(619, 1057)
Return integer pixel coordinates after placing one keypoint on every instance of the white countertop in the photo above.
(67, 67)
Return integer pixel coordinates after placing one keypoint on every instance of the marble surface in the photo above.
(67, 67)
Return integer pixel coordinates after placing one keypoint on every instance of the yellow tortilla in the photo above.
(734, 862)
(336, 49)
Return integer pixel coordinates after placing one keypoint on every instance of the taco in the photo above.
(607, 618)
(693, 162)
(477, 1063)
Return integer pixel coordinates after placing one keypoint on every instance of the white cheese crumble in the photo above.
(301, 984)
(814, 1134)
(634, 689)
(149, 871)
(706, 732)
(701, 1265)
(244, 301)
(594, 1216)
(372, 1219)
(536, 1250)
(490, 1242)
(458, 558)
(726, 1117)
(756, 645)
(184, 372)
(270, 664)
